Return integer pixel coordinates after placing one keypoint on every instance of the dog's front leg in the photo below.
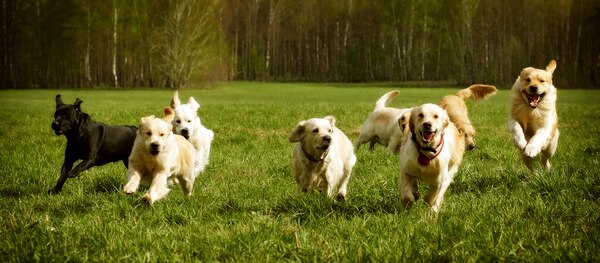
(444, 184)
(409, 191)
(158, 187)
(70, 159)
(517, 132)
(133, 180)
(538, 141)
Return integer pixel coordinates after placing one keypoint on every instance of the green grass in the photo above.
(246, 206)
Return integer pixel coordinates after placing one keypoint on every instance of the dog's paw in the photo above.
(531, 151)
(521, 143)
(147, 199)
(53, 191)
(341, 197)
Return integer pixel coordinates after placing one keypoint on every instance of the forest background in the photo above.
(168, 43)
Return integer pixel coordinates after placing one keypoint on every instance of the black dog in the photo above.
(93, 143)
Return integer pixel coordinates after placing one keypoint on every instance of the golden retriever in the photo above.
(323, 157)
(431, 152)
(457, 109)
(533, 121)
(159, 155)
(382, 125)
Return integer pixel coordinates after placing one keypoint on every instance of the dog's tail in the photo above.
(477, 92)
(385, 99)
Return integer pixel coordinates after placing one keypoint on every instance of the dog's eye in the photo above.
(178, 121)
(315, 130)
(162, 134)
(435, 116)
(542, 81)
(149, 133)
(189, 121)
(421, 115)
(528, 80)
(330, 130)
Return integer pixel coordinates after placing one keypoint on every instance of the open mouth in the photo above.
(534, 99)
(154, 151)
(427, 136)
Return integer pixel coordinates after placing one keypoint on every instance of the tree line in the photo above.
(174, 43)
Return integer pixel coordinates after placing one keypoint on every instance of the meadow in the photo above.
(247, 207)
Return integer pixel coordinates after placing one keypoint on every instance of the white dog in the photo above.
(382, 125)
(431, 152)
(187, 124)
(323, 157)
(159, 155)
(533, 121)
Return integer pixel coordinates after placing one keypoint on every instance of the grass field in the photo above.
(247, 207)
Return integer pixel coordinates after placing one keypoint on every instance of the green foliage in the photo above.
(246, 206)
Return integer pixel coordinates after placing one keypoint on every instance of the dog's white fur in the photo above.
(382, 125)
(159, 155)
(187, 123)
(533, 122)
(440, 171)
(323, 157)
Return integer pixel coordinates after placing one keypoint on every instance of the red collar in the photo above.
(424, 159)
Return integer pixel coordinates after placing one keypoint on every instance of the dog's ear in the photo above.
(445, 119)
(411, 119)
(146, 119)
(403, 121)
(169, 114)
(77, 104)
(59, 101)
(331, 120)
(195, 105)
(551, 66)
(298, 132)
(175, 102)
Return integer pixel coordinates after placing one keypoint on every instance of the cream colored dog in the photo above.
(187, 124)
(382, 125)
(457, 109)
(158, 155)
(533, 121)
(432, 151)
(323, 157)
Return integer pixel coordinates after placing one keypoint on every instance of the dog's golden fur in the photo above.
(432, 151)
(382, 125)
(457, 109)
(533, 121)
(323, 157)
(159, 155)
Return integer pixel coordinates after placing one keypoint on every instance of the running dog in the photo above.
(457, 109)
(323, 157)
(94, 143)
(159, 155)
(431, 152)
(187, 124)
(533, 121)
(382, 125)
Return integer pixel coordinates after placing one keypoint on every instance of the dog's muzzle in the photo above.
(56, 127)
(533, 97)
(154, 148)
(326, 142)
(185, 133)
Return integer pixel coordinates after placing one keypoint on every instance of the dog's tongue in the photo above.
(428, 136)
(534, 100)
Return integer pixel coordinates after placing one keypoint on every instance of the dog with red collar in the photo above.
(431, 152)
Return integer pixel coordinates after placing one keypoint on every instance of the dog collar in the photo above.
(424, 159)
(312, 159)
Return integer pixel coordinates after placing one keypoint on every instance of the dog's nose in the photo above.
(55, 125)
(427, 125)
(154, 145)
(533, 89)
(327, 138)
(184, 131)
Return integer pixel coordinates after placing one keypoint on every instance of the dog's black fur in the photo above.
(93, 143)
